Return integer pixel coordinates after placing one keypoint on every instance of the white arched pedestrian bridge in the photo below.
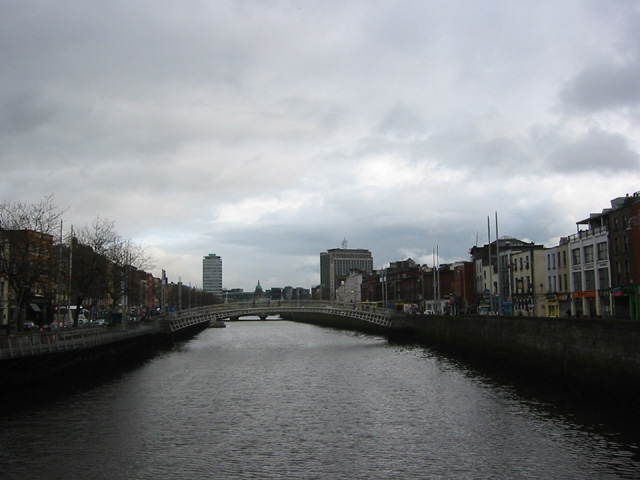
(380, 317)
(182, 324)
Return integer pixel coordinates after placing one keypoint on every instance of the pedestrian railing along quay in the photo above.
(67, 339)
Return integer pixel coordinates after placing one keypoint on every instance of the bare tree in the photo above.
(101, 236)
(104, 264)
(26, 253)
(91, 265)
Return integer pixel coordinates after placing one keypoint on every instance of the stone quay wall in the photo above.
(597, 353)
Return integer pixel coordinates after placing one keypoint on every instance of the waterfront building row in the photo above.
(40, 279)
(592, 273)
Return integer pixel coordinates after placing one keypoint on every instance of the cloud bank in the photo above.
(269, 131)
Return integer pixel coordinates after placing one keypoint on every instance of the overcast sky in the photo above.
(268, 131)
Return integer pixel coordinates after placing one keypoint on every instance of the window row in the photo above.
(588, 280)
(587, 254)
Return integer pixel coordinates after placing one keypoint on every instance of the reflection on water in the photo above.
(284, 400)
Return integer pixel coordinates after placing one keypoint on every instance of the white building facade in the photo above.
(590, 273)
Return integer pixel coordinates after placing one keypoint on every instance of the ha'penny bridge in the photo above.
(337, 314)
(183, 324)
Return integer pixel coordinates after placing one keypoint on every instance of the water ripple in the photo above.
(276, 400)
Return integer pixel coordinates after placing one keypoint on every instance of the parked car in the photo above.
(97, 323)
(30, 327)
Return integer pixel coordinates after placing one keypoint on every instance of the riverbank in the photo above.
(45, 360)
(600, 355)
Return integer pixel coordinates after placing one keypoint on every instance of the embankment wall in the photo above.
(603, 354)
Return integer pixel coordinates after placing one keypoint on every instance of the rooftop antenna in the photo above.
(345, 243)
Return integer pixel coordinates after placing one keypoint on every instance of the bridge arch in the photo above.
(378, 317)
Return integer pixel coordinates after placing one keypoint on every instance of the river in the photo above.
(284, 400)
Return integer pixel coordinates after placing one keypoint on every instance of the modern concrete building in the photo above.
(212, 274)
(336, 264)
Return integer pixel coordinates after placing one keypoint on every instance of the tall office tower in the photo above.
(336, 265)
(212, 274)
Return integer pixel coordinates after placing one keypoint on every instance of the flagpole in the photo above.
(498, 265)
(70, 273)
(490, 266)
(438, 274)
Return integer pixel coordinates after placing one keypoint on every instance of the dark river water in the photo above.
(282, 400)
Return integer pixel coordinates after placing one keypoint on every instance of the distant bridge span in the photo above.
(187, 318)
(182, 324)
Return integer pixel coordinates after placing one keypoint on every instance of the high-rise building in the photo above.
(212, 274)
(336, 265)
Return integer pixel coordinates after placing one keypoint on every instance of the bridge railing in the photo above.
(177, 320)
(273, 305)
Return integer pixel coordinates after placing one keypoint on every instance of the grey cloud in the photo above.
(604, 86)
(391, 122)
(596, 151)
(23, 113)
(402, 122)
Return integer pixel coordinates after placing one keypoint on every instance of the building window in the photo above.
(588, 254)
(564, 258)
(603, 278)
(590, 280)
(575, 256)
(618, 273)
(577, 281)
(627, 268)
(626, 243)
(603, 252)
